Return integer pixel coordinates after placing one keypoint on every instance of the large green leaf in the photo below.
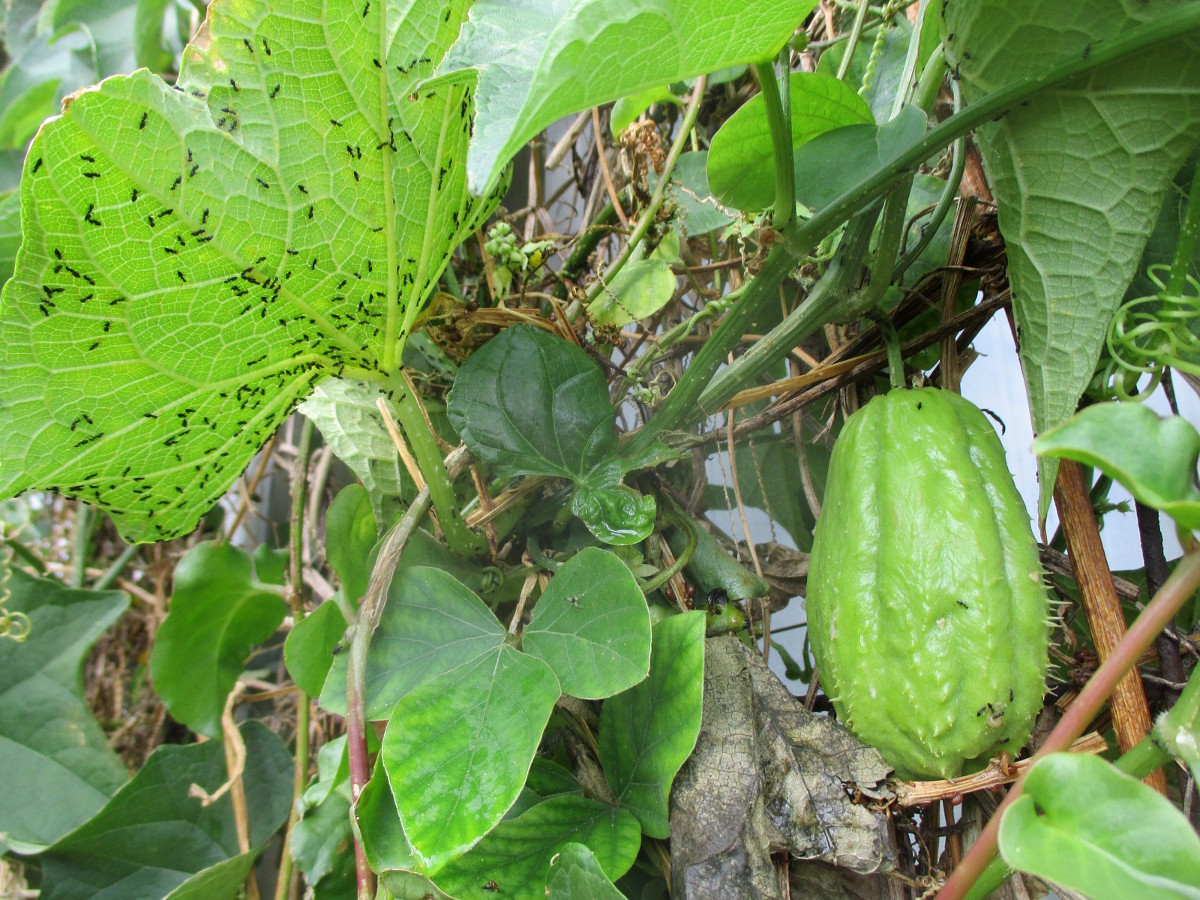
(741, 162)
(1078, 172)
(540, 60)
(648, 732)
(431, 625)
(217, 617)
(1086, 825)
(50, 746)
(592, 626)
(152, 836)
(1153, 458)
(195, 260)
(458, 748)
(516, 856)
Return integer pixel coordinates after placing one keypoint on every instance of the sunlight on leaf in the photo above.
(196, 259)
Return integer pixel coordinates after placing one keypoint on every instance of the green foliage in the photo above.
(648, 731)
(591, 626)
(218, 615)
(1155, 459)
(258, 237)
(1144, 111)
(741, 166)
(1085, 825)
(536, 61)
(154, 839)
(575, 874)
(50, 745)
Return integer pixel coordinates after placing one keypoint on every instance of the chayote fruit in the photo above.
(926, 608)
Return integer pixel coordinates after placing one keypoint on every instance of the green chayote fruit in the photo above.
(926, 608)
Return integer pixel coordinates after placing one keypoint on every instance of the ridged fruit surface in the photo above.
(926, 609)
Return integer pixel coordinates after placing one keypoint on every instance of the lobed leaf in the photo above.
(196, 260)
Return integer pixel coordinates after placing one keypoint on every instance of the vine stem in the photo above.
(781, 144)
(650, 213)
(1159, 613)
(283, 883)
(799, 239)
(367, 620)
(1188, 233)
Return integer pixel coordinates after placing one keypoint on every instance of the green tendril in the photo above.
(1151, 333)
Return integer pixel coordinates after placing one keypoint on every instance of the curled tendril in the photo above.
(15, 626)
(1150, 333)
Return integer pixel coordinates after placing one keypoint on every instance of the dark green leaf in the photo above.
(529, 403)
(379, 825)
(487, 716)
(741, 162)
(152, 837)
(648, 732)
(431, 625)
(538, 60)
(1113, 141)
(833, 162)
(280, 218)
(617, 514)
(217, 617)
(308, 650)
(271, 564)
(575, 874)
(323, 835)
(591, 626)
(516, 855)
(350, 533)
(1085, 825)
(1153, 458)
(50, 746)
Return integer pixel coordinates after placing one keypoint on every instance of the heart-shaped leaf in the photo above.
(50, 745)
(592, 626)
(575, 874)
(1086, 825)
(741, 162)
(1153, 458)
(529, 403)
(196, 259)
(431, 625)
(487, 718)
(217, 617)
(648, 732)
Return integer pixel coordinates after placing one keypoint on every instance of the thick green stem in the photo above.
(85, 521)
(1188, 233)
(891, 342)
(799, 239)
(425, 450)
(825, 303)
(781, 144)
(113, 572)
